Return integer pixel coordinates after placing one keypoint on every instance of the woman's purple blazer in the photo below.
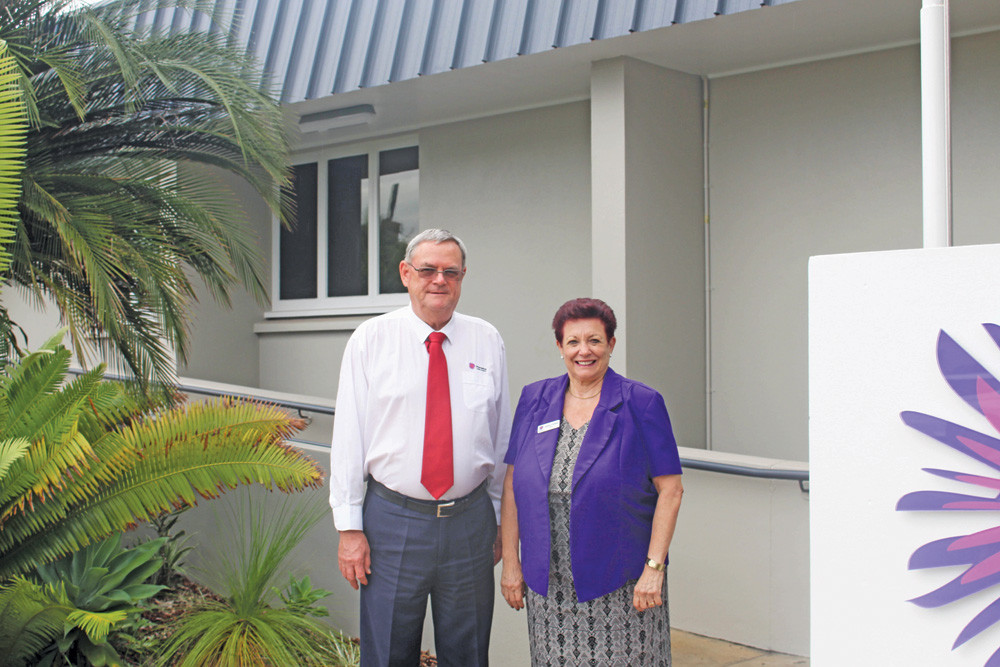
(629, 441)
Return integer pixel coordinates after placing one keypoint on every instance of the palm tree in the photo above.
(82, 461)
(115, 212)
(13, 126)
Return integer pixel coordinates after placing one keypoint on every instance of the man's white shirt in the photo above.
(378, 428)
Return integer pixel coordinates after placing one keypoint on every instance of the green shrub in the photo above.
(245, 629)
(300, 596)
(174, 550)
(97, 589)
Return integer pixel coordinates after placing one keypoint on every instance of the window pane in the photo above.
(297, 247)
(399, 212)
(347, 273)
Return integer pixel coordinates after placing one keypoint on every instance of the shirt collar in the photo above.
(422, 329)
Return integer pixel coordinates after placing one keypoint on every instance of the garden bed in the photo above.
(140, 649)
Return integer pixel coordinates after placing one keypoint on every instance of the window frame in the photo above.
(371, 303)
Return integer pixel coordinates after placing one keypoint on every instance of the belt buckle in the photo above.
(445, 506)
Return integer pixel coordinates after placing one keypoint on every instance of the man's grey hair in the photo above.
(433, 236)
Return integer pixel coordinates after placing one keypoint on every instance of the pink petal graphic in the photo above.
(988, 453)
(983, 505)
(978, 480)
(984, 569)
(988, 536)
(989, 401)
(987, 482)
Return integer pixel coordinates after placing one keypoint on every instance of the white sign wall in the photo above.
(875, 327)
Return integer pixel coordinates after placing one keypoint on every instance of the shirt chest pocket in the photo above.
(477, 390)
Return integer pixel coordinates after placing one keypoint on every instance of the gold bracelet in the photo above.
(656, 566)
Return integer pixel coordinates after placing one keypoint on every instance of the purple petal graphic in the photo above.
(943, 553)
(978, 480)
(961, 371)
(979, 552)
(983, 620)
(930, 501)
(985, 448)
(955, 590)
(994, 331)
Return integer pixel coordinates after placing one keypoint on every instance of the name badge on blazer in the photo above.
(542, 428)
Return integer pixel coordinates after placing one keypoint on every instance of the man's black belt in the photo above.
(439, 508)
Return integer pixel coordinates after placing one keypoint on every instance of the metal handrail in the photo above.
(746, 471)
(209, 391)
(282, 403)
(800, 476)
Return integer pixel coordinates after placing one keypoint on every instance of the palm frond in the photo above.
(111, 214)
(32, 618)
(13, 128)
(98, 462)
(96, 624)
(11, 450)
(184, 454)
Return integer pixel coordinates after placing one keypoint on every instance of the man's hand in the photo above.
(354, 557)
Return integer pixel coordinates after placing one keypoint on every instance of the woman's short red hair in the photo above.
(584, 309)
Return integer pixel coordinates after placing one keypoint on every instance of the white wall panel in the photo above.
(874, 322)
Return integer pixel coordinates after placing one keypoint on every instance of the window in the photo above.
(355, 213)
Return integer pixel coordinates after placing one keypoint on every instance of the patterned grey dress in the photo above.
(605, 631)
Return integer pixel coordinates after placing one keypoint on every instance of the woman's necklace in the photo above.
(582, 398)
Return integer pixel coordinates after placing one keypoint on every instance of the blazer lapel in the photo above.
(602, 424)
(550, 410)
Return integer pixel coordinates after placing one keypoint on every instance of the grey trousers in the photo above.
(415, 555)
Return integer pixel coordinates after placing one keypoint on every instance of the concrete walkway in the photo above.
(690, 650)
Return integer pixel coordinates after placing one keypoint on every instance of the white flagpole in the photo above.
(935, 85)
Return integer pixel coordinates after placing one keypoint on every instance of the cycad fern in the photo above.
(121, 198)
(31, 619)
(80, 462)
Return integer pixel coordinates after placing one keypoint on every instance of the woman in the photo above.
(591, 493)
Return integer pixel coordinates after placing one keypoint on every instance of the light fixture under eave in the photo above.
(321, 121)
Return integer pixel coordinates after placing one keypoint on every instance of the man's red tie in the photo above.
(438, 472)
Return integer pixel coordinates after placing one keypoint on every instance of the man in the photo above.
(423, 415)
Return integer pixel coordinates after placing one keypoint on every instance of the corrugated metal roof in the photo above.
(314, 48)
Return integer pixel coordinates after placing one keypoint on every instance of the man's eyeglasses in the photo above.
(427, 273)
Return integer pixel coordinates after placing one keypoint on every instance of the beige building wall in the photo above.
(648, 231)
(516, 189)
(665, 242)
(823, 158)
(224, 347)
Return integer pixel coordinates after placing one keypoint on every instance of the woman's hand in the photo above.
(512, 584)
(648, 590)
